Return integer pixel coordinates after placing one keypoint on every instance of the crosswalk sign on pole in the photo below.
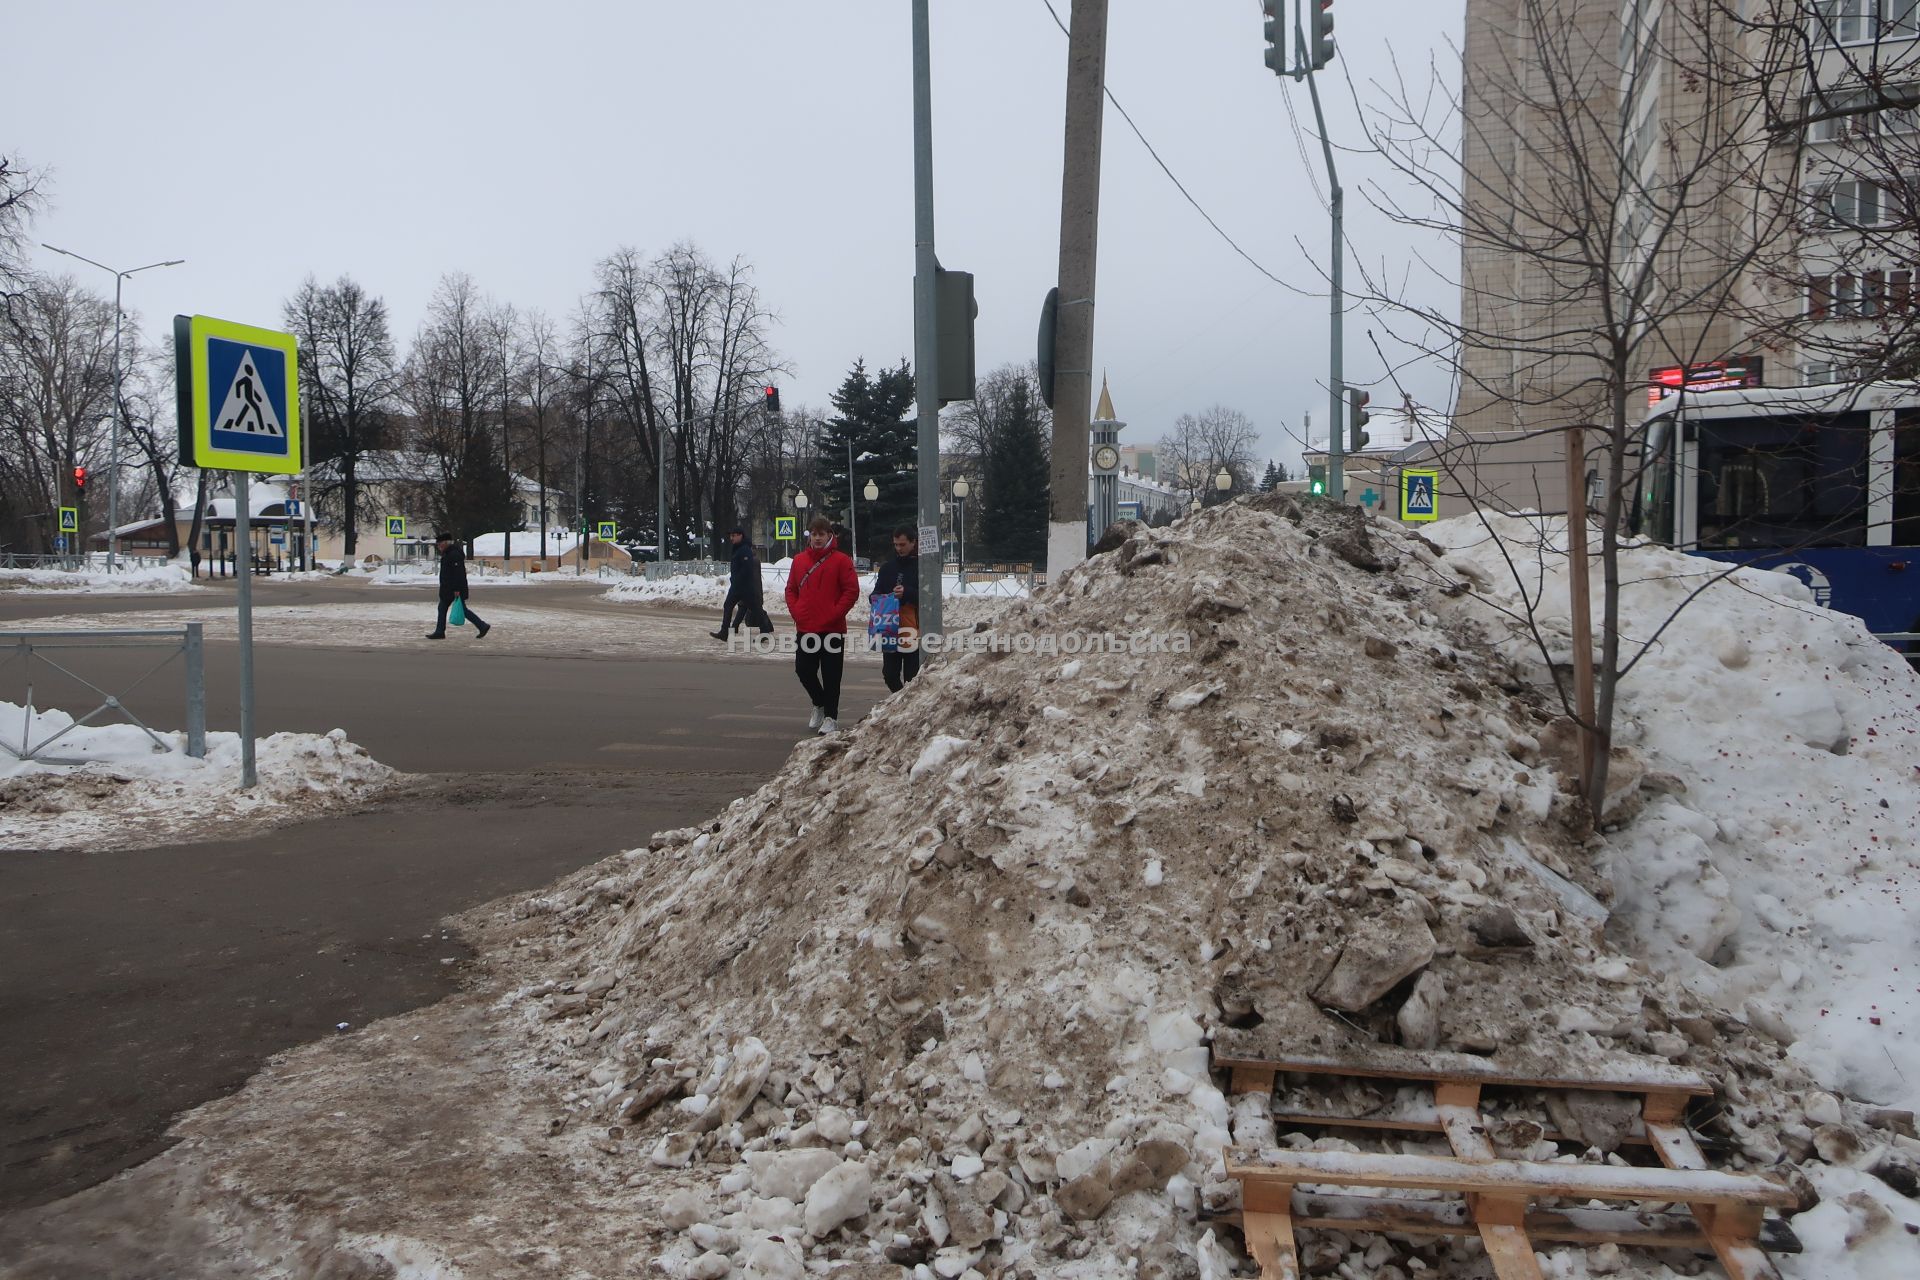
(396, 526)
(608, 530)
(1419, 495)
(238, 391)
(69, 519)
(784, 528)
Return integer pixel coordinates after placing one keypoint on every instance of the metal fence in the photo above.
(72, 563)
(61, 650)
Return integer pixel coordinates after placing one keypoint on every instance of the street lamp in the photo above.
(113, 463)
(1193, 507)
(1223, 481)
(960, 491)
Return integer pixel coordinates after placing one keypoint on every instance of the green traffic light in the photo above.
(1319, 486)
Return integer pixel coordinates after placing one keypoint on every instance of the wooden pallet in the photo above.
(1727, 1210)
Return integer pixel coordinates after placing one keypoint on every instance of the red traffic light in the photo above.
(772, 396)
(79, 477)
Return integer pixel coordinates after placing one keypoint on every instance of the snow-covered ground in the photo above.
(1781, 876)
(145, 580)
(113, 786)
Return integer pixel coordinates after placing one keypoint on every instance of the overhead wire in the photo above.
(1198, 208)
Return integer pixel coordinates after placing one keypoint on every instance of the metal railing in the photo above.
(32, 646)
(72, 562)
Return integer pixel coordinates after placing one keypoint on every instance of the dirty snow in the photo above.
(113, 787)
(154, 579)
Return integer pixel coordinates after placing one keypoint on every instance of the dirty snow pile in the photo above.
(936, 1000)
(113, 786)
(159, 579)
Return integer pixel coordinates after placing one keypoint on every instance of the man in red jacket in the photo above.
(821, 587)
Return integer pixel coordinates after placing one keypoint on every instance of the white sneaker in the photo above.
(819, 715)
(829, 726)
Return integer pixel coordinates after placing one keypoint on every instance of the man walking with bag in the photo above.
(453, 586)
(900, 578)
(821, 587)
(745, 594)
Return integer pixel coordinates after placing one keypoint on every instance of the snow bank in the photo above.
(157, 580)
(1778, 872)
(113, 786)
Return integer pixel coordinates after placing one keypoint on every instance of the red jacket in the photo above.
(822, 604)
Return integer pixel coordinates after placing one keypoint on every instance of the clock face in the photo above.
(1106, 457)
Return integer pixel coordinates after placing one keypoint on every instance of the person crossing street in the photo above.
(821, 587)
(453, 586)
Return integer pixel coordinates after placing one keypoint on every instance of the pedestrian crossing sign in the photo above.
(69, 519)
(608, 530)
(784, 528)
(238, 389)
(1419, 495)
(396, 526)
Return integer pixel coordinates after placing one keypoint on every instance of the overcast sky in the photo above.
(520, 143)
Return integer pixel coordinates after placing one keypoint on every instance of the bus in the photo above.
(1820, 482)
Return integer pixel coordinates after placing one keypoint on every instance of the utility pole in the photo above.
(1079, 255)
(1336, 372)
(926, 344)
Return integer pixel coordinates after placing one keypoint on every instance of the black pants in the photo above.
(897, 668)
(446, 602)
(743, 611)
(819, 663)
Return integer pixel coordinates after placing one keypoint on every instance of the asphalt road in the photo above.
(134, 985)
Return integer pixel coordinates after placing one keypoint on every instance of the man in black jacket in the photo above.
(745, 595)
(453, 586)
(900, 578)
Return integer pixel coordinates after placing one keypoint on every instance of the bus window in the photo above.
(1653, 513)
(1906, 479)
(1784, 482)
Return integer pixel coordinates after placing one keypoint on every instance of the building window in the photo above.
(1860, 21)
(1856, 202)
(1865, 295)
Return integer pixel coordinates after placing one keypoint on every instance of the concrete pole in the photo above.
(113, 450)
(1079, 237)
(926, 351)
(1336, 374)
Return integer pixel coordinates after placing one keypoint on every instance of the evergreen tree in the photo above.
(872, 414)
(1273, 477)
(1013, 518)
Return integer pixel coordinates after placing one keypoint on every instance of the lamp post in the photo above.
(960, 491)
(113, 459)
(1223, 482)
(1193, 508)
(872, 494)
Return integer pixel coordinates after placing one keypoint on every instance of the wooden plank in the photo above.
(1235, 1049)
(1732, 1230)
(1270, 1241)
(1510, 1252)
(1442, 1173)
(1252, 1079)
(1634, 1228)
(1284, 1120)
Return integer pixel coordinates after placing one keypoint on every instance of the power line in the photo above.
(1176, 181)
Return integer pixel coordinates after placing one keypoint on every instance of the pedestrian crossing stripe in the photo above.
(239, 396)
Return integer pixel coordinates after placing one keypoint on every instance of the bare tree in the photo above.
(56, 400)
(20, 200)
(1200, 445)
(1612, 190)
(348, 378)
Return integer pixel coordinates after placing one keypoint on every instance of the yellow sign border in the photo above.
(607, 530)
(402, 532)
(66, 514)
(1407, 474)
(205, 456)
(791, 525)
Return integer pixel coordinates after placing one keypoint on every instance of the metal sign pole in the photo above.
(243, 537)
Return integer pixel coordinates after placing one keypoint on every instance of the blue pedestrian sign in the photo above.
(1419, 495)
(785, 528)
(239, 396)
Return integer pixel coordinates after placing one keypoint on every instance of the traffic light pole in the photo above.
(926, 319)
(1336, 375)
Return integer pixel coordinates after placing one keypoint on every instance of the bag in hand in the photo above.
(457, 615)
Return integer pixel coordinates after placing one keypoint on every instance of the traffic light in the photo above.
(1321, 37)
(1317, 479)
(1276, 35)
(772, 398)
(1357, 419)
(79, 478)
